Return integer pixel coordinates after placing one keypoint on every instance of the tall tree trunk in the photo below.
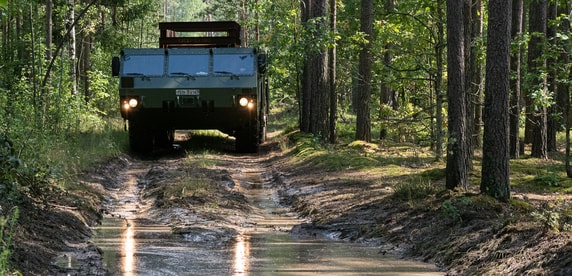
(86, 66)
(388, 96)
(332, 73)
(72, 49)
(305, 97)
(563, 93)
(553, 123)
(457, 144)
(363, 123)
(476, 78)
(495, 167)
(470, 71)
(49, 25)
(315, 100)
(515, 83)
(537, 65)
(439, 46)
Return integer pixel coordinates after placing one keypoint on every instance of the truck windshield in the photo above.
(238, 64)
(148, 65)
(194, 65)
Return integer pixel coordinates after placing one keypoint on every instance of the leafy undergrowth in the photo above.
(394, 194)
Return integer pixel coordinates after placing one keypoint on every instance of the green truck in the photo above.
(198, 78)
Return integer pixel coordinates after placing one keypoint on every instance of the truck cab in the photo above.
(193, 82)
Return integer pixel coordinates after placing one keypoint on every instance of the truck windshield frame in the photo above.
(241, 64)
(192, 65)
(147, 65)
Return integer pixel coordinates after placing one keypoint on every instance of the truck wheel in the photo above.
(140, 139)
(246, 141)
(164, 138)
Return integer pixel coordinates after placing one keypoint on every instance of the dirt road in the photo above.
(215, 214)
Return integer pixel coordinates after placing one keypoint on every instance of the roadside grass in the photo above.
(415, 177)
(201, 159)
(540, 176)
(204, 141)
(282, 119)
(190, 186)
(82, 152)
(52, 162)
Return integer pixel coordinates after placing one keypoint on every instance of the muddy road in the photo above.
(218, 213)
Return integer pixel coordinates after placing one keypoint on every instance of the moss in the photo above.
(521, 205)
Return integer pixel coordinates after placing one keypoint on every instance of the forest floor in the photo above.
(461, 232)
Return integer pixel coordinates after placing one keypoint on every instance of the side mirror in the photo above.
(115, 66)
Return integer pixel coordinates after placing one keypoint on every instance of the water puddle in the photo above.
(269, 249)
(133, 245)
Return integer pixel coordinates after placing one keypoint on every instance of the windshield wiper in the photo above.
(233, 75)
(183, 74)
(143, 76)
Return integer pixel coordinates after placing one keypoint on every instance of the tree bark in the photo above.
(315, 93)
(363, 123)
(457, 143)
(554, 110)
(440, 44)
(563, 93)
(388, 96)
(72, 49)
(49, 25)
(537, 65)
(495, 179)
(332, 73)
(515, 82)
(476, 78)
(470, 71)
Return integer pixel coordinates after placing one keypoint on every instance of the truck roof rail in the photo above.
(207, 34)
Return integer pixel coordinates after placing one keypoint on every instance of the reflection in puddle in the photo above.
(281, 254)
(136, 246)
(129, 248)
(241, 255)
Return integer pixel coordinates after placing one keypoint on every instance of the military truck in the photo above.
(198, 78)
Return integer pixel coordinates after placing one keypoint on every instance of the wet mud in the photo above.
(241, 226)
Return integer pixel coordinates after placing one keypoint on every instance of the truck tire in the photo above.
(246, 140)
(164, 138)
(140, 139)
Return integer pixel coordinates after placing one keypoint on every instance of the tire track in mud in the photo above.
(140, 237)
(240, 229)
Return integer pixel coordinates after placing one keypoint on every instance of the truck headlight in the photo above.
(133, 103)
(243, 101)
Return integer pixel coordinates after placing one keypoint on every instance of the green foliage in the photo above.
(434, 174)
(9, 166)
(7, 226)
(521, 205)
(549, 179)
(549, 219)
(414, 189)
(451, 211)
(554, 215)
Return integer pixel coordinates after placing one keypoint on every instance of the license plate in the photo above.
(188, 92)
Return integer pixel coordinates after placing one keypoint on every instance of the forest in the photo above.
(469, 80)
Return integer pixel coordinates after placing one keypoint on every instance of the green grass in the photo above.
(540, 176)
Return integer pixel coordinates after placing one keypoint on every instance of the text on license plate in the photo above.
(188, 92)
